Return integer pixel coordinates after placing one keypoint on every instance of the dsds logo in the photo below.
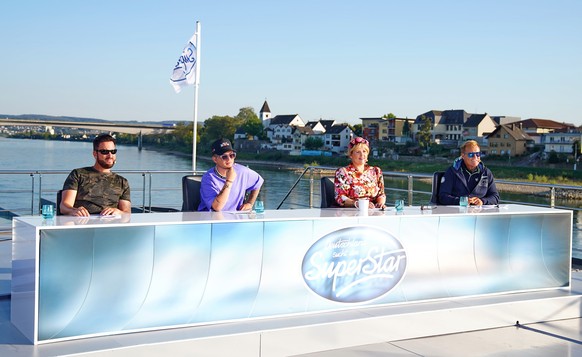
(354, 264)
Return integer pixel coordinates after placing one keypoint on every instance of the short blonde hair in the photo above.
(358, 146)
(467, 144)
(357, 141)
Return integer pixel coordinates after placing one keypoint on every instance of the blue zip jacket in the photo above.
(454, 185)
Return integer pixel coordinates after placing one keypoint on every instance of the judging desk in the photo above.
(79, 277)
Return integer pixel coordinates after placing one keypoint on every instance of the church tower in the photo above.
(265, 114)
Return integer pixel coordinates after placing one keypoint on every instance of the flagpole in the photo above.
(195, 120)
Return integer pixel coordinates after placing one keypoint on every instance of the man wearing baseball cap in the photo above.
(228, 186)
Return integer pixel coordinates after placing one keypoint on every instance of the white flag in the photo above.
(184, 73)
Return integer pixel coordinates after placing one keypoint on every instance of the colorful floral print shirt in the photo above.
(349, 183)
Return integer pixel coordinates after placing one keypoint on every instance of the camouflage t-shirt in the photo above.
(97, 190)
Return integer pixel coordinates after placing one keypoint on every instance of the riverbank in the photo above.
(540, 191)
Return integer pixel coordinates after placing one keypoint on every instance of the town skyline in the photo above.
(357, 120)
(331, 60)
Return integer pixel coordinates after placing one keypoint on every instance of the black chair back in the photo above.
(190, 193)
(436, 185)
(59, 199)
(327, 191)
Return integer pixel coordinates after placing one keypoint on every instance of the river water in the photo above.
(33, 155)
(39, 155)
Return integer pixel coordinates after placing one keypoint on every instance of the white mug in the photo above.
(363, 205)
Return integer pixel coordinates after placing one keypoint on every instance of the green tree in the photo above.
(357, 129)
(406, 129)
(183, 131)
(576, 148)
(424, 134)
(389, 116)
(219, 127)
(252, 125)
(180, 139)
(245, 114)
(313, 143)
(554, 158)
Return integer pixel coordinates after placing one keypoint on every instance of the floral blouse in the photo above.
(349, 183)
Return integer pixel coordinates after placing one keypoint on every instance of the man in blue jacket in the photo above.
(468, 177)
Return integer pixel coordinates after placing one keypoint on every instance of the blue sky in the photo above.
(342, 60)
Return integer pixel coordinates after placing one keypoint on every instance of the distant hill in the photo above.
(77, 119)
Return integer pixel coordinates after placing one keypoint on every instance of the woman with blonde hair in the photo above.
(358, 179)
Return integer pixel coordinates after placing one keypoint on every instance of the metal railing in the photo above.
(546, 193)
(23, 192)
(153, 190)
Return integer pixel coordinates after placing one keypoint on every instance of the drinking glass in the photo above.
(259, 206)
(463, 201)
(399, 205)
(48, 211)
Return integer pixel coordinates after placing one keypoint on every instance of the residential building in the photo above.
(509, 140)
(447, 125)
(327, 123)
(400, 129)
(561, 143)
(337, 138)
(280, 131)
(387, 129)
(504, 119)
(477, 127)
(240, 133)
(372, 128)
(535, 128)
(451, 127)
(300, 135)
(316, 127)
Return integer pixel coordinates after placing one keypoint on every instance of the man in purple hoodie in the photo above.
(228, 186)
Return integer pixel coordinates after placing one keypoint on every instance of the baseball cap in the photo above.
(221, 146)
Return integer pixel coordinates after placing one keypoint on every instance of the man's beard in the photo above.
(105, 165)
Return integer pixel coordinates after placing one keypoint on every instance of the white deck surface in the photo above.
(463, 327)
(556, 338)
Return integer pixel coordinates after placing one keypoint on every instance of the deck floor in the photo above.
(555, 338)
(551, 338)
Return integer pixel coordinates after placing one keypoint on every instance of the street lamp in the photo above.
(576, 148)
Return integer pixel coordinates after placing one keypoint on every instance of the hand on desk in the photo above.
(80, 212)
(475, 201)
(246, 207)
(111, 211)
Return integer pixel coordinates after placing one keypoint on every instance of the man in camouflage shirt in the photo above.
(95, 189)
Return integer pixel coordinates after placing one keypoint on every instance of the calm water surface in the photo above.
(23, 154)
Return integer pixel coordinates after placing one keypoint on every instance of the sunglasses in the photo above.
(105, 152)
(471, 155)
(225, 157)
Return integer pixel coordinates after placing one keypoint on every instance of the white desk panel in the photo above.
(77, 277)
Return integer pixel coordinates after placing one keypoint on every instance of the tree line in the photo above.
(180, 139)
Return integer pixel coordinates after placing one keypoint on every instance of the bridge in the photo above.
(141, 129)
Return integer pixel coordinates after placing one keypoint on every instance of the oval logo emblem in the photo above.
(354, 264)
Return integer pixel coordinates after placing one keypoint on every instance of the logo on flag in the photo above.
(184, 73)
